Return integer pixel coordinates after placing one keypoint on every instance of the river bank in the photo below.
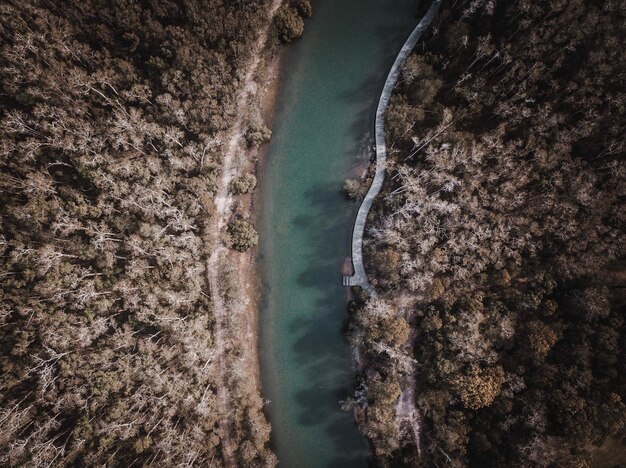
(244, 429)
(248, 266)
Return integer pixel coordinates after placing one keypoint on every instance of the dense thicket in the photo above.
(112, 119)
(499, 238)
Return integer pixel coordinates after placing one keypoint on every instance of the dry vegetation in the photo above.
(112, 121)
(497, 243)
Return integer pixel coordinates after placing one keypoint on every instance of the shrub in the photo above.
(258, 134)
(354, 188)
(243, 236)
(243, 184)
(289, 24)
(303, 7)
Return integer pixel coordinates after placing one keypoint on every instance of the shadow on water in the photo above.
(319, 404)
(367, 91)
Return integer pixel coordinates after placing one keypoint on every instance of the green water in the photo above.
(322, 131)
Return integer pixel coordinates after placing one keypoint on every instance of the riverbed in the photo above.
(330, 84)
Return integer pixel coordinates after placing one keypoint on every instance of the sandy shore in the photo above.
(250, 204)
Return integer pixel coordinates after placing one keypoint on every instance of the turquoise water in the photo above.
(322, 132)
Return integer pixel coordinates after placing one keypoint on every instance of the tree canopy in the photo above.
(500, 234)
(112, 116)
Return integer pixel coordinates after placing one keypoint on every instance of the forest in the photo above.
(497, 243)
(113, 116)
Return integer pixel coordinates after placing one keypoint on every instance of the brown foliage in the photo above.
(479, 387)
(541, 338)
(109, 156)
(499, 219)
(242, 235)
(243, 184)
(289, 24)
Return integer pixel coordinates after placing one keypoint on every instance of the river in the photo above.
(330, 84)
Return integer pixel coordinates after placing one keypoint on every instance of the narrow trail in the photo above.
(223, 207)
(359, 278)
(408, 418)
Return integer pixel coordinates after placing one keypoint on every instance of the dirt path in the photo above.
(408, 418)
(223, 202)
